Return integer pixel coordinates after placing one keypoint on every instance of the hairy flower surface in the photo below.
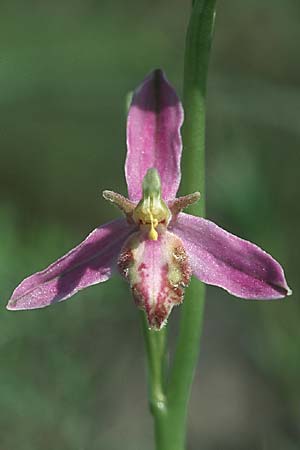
(156, 247)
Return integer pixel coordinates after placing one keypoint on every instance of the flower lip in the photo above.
(157, 271)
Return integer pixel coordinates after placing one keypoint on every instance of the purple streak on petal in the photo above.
(89, 263)
(222, 259)
(153, 136)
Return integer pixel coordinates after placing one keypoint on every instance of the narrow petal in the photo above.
(153, 136)
(157, 272)
(222, 259)
(89, 263)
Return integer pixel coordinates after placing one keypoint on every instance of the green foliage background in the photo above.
(72, 376)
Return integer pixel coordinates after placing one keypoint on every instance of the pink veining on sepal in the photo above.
(158, 271)
(153, 136)
(222, 259)
(89, 263)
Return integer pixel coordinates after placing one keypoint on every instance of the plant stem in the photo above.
(155, 345)
(198, 44)
(169, 401)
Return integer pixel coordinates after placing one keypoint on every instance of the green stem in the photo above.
(198, 44)
(155, 345)
(169, 402)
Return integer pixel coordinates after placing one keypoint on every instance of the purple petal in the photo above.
(222, 259)
(89, 263)
(153, 136)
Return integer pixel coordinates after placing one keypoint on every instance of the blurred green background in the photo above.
(72, 376)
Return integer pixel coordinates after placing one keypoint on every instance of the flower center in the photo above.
(151, 212)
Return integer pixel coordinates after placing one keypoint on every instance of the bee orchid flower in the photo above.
(156, 247)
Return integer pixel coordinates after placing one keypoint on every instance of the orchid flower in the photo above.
(156, 247)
